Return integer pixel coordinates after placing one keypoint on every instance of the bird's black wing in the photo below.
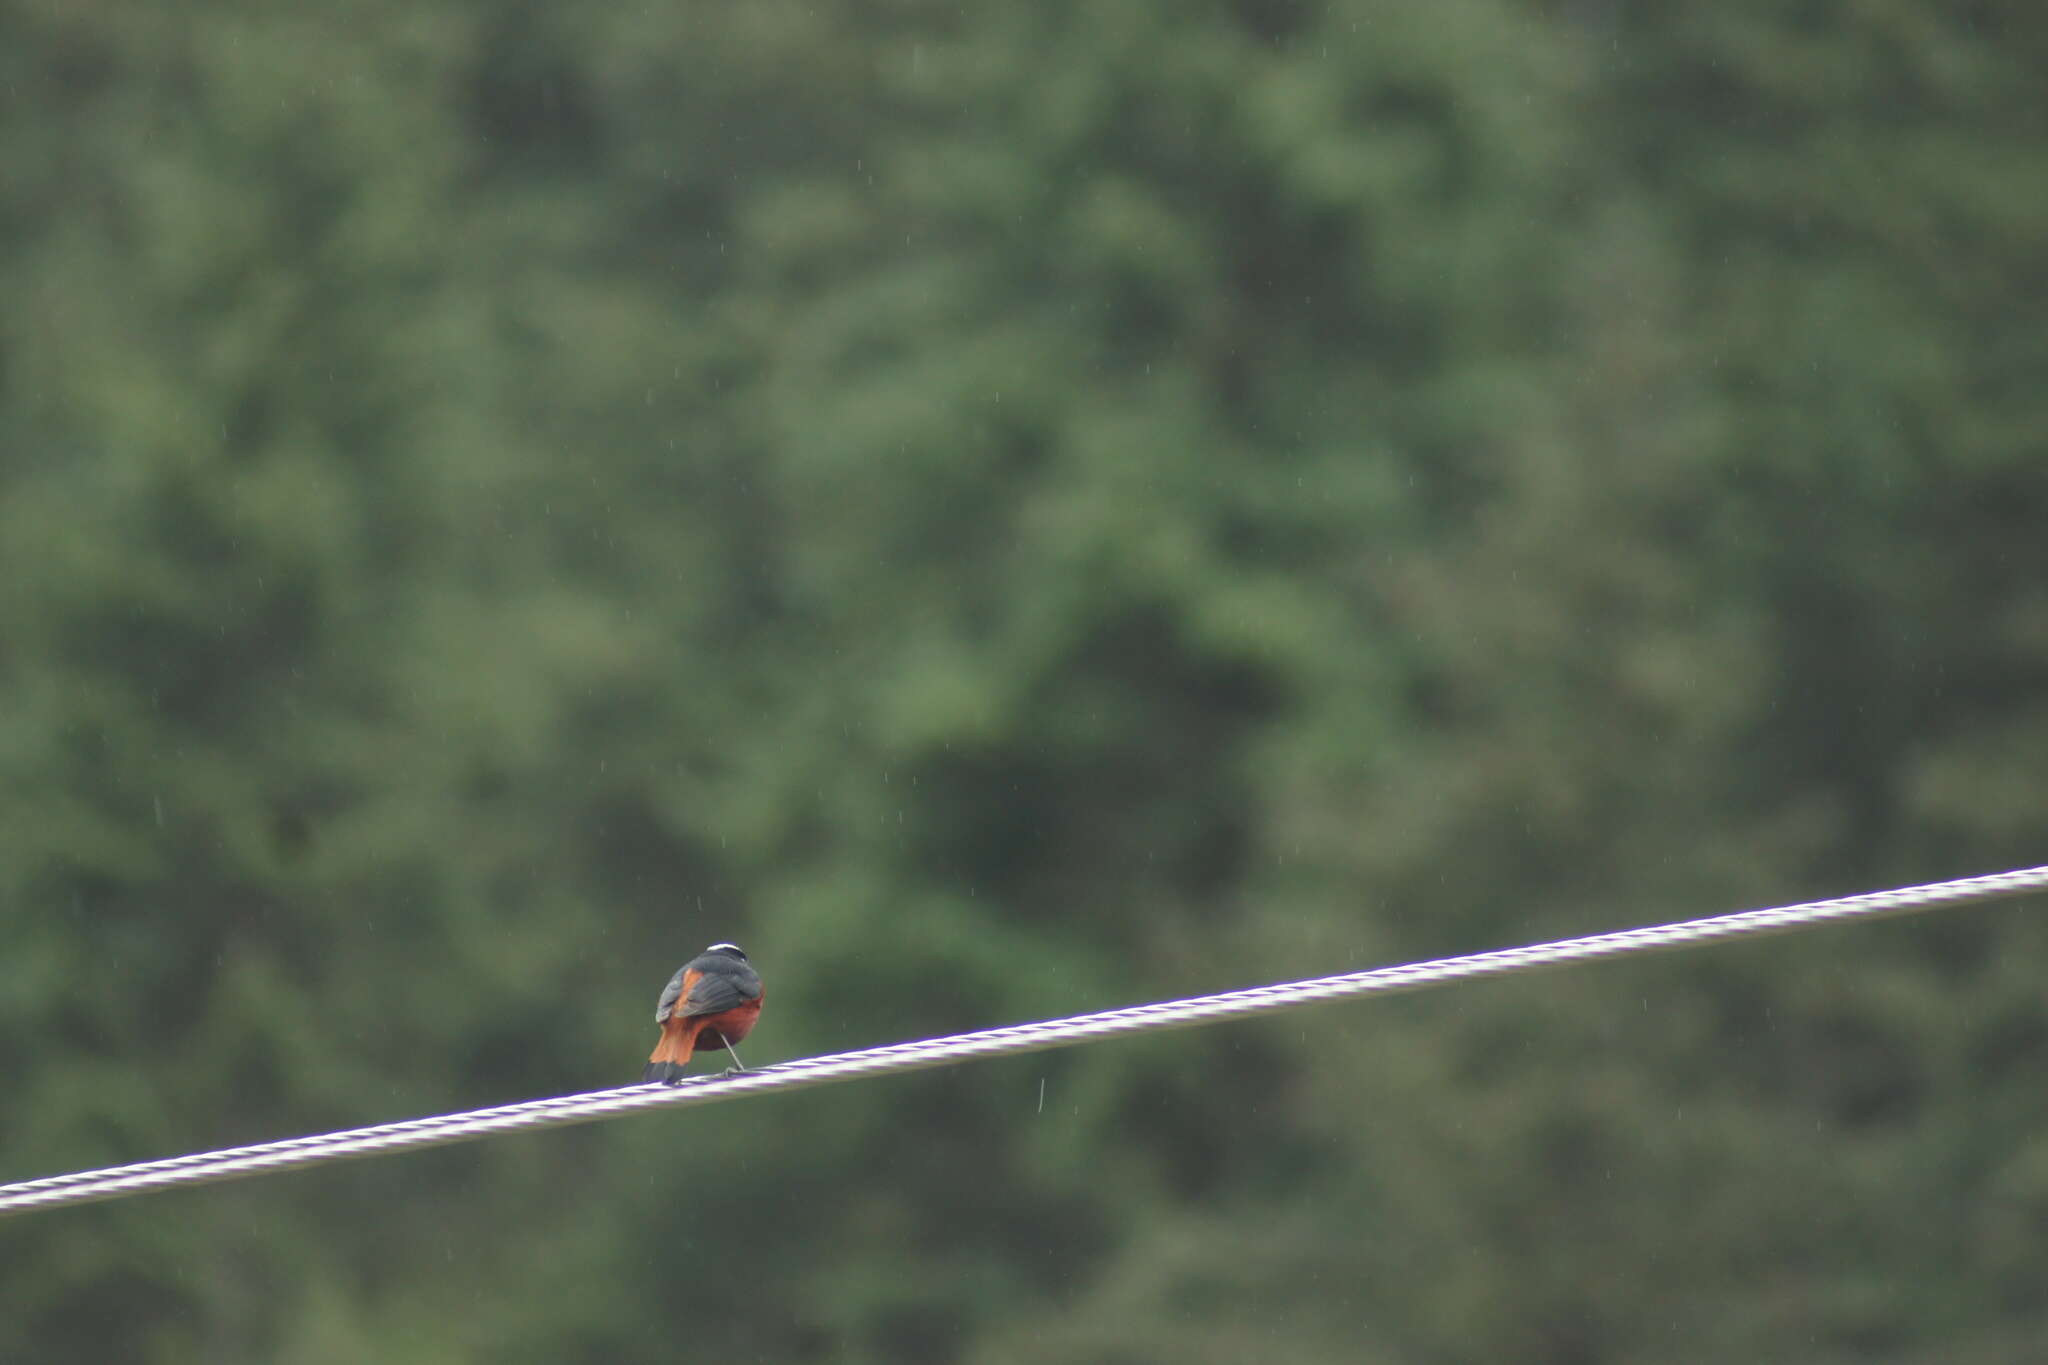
(720, 985)
(671, 993)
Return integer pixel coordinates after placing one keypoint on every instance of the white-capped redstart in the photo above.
(711, 1003)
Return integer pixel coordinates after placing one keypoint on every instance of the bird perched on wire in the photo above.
(711, 1003)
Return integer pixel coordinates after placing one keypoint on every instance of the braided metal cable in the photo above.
(234, 1163)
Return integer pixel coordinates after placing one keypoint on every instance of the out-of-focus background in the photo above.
(1007, 510)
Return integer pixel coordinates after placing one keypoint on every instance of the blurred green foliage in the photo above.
(1006, 511)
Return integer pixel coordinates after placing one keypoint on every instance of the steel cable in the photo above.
(234, 1163)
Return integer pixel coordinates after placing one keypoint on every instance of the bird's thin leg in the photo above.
(736, 1062)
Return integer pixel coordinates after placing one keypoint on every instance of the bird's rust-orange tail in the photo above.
(672, 1053)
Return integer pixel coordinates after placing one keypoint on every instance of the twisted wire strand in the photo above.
(237, 1162)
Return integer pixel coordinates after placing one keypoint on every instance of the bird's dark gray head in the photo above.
(726, 950)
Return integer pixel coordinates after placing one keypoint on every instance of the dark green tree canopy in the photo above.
(1009, 510)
